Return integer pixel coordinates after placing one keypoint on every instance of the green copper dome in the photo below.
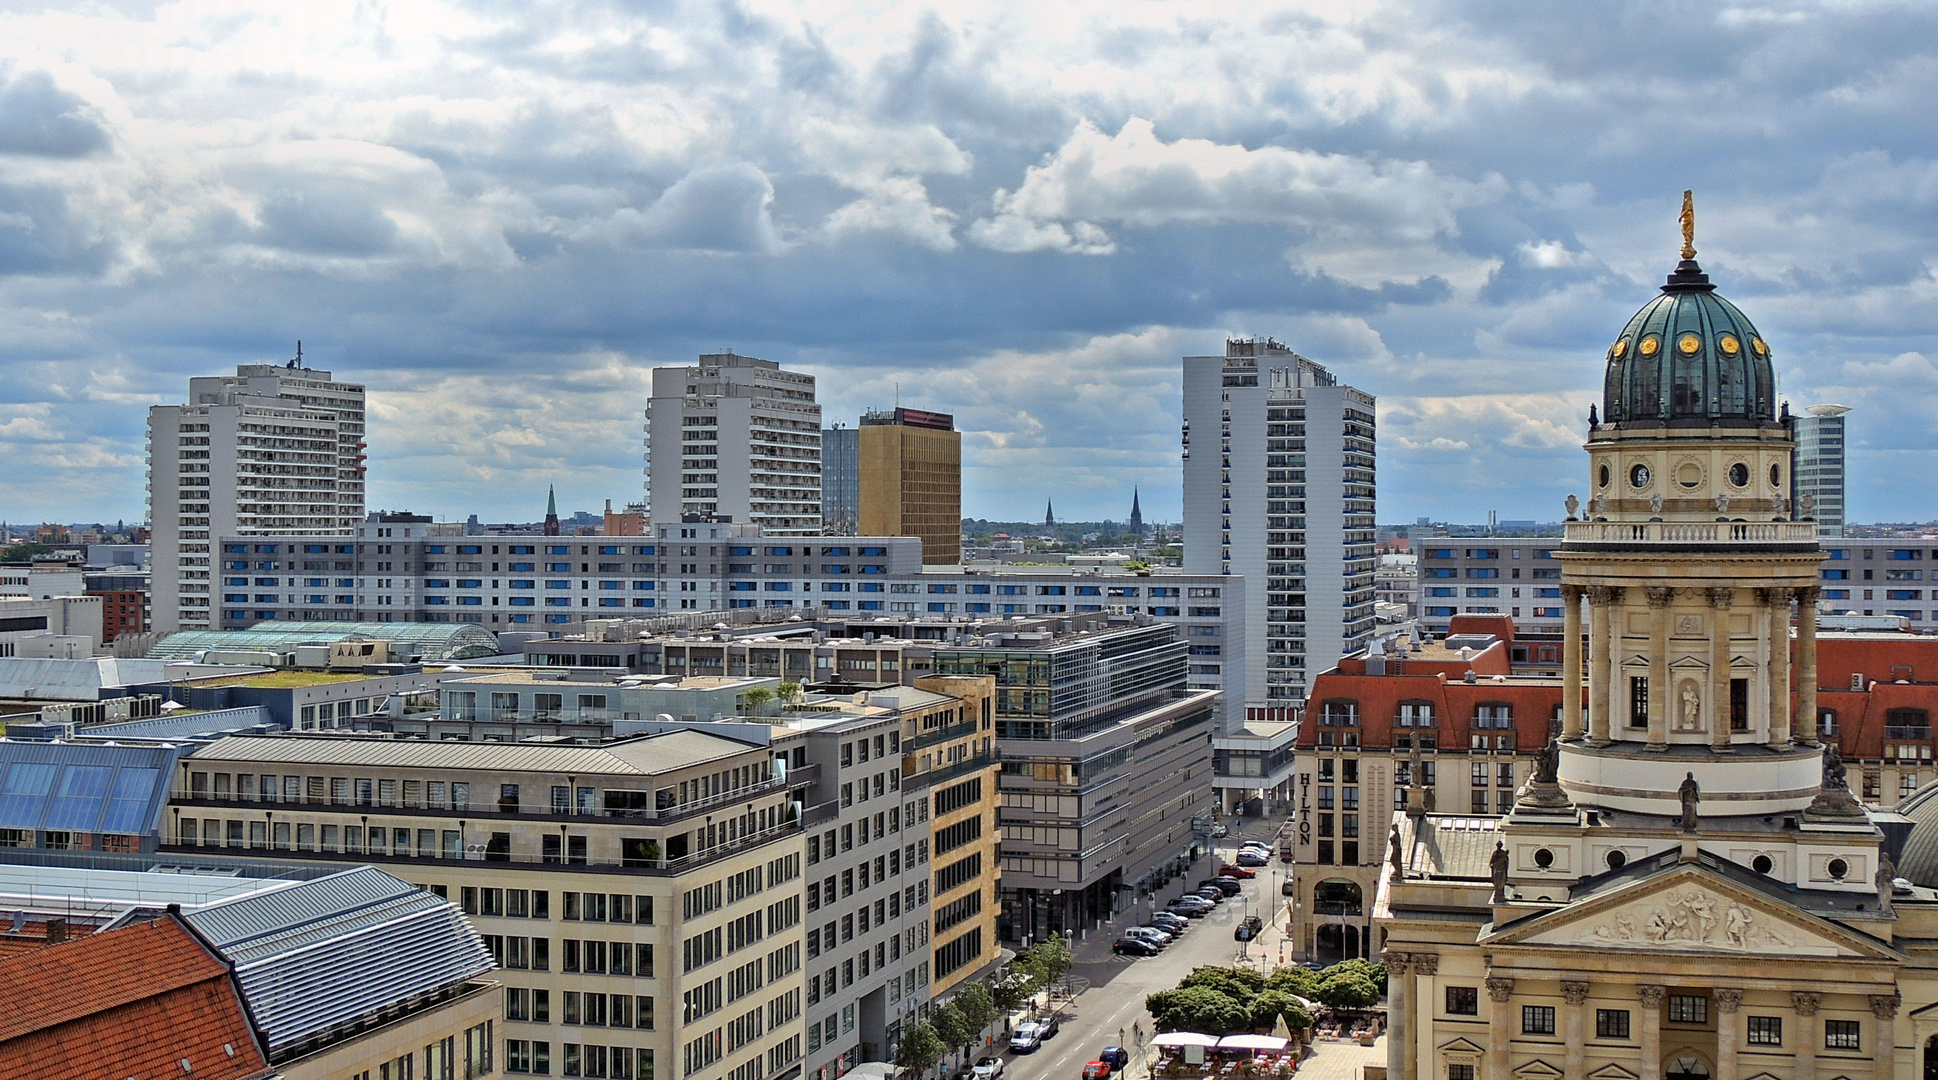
(1689, 358)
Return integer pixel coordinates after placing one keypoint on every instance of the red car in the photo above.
(1238, 871)
(1097, 1070)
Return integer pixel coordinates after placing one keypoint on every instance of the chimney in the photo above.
(56, 931)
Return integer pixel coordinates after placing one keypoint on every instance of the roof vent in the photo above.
(1471, 677)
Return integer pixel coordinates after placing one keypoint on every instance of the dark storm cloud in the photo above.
(39, 118)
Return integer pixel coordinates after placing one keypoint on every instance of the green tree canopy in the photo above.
(952, 1025)
(920, 1048)
(1013, 987)
(1374, 971)
(1294, 980)
(1268, 1006)
(1239, 984)
(1348, 990)
(977, 1005)
(1048, 960)
(1197, 1008)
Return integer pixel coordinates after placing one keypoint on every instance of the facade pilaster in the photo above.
(1399, 1033)
(1661, 694)
(1601, 628)
(1574, 1030)
(1780, 667)
(1425, 967)
(1650, 1037)
(1500, 991)
(1728, 1032)
(1719, 604)
(1571, 661)
(1807, 665)
(1884, 1036)
(1805, 1003)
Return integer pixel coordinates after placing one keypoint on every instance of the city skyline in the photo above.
(998, 212)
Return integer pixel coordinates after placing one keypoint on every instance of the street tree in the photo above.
(920, 1048)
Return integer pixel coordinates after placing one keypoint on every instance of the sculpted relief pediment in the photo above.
(1686, 917)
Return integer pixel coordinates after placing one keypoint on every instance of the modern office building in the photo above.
(911, 480)
(1818, 468)
(1278, 489)
(274, 450)
(1516, 576)
(840, 481)
(642, 896)
(735, 439)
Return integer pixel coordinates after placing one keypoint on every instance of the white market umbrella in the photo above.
(1185, 1038)
(1251, 1042)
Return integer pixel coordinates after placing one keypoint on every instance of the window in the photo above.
(1688, 1009)
(1611, 1023)
(1766, 1031)
(1841, 1035)
(1638, 701)
(1537, 1019)
(1460, 1072)
(1463, 1001)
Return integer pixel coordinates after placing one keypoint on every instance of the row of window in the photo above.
(1677, 1009)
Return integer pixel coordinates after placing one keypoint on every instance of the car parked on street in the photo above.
(1248, 928)
(1243, 872)
(1115, 1056)
(989, 1068)
(1148, 934)
(1191, 906)
(1220, 831)
(1169, 923)
(1096, 1070)
(1211, 893)
(1230, 884)
(1029, 1035)
(1254, 858)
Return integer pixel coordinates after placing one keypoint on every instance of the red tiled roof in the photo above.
(137, 1001)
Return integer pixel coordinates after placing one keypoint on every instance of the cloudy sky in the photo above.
(499, 214)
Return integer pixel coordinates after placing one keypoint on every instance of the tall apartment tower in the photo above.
(274, 450)
(1817, 468)
(735, 437)
(1278, 488)
(840, 480)
(911, 480)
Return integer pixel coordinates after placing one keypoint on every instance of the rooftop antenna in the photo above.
(298, 361)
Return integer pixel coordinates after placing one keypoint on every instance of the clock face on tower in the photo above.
(1639, 476)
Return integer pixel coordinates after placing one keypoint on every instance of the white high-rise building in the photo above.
(274, 450)
(1817, 467)
(735, 437)
(1278, 489)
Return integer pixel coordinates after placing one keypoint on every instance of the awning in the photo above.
(1185, 1038)
(1251, 1042)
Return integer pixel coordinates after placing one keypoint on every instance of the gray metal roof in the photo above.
(193, 726)
(644, 756)
(84, 788)
(27, 679)
(323, 953)
(436, 641)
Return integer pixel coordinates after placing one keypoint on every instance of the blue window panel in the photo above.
(558, 601)
(232, 582)
(519, 618)
(523, 601)
(1164, 611)
(1837, 575)
(554, 584)
(872, 551)
(319, 583)
(611, 549)
(524, 567)
(741, 586)
(871, 569)
(834, 586)
(429, 583)
(558, 549)
(558, 618)
(1442, 590)
(643, 550)
(1440, 611)
(871, 586)
(526, 584)
(979, 590)
(612, 586)
(1014, 609)
(1837, 594)
(1090, 607)
(612, 601)
(1483, 572)
(838, 605)
(321, 598)
(266, 598)
(784, 551)
(521, 549)
(463, 601)
(558, 567)
(870, 605)
(642, 601)
(1555, 593)
(642, 586)
(1442, 571)
(470, 583)
(983, 607)
(23, 795)
(432, 600)
(743, 603)
(77, 801)
(134, 792)
(1090, 590)
(780, 586)
(942, 607)
(235, 598)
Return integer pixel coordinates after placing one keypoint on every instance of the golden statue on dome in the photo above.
(1688, 220)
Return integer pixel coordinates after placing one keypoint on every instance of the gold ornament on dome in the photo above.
(1730, 344)
(1687, 219)
(1757, 344)
(1650, 345)
(1689, 344)
(1619, 349)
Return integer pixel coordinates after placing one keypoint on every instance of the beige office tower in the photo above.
(273, 450)
(911, 480)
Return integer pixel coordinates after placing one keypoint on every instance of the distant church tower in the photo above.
(1137, 515)
(1049, 515)
(551, 511)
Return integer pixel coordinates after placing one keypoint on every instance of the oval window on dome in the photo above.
(1689, 474)
(1639, 476)
(1739, 474)
(1730, 344)
(1619, 349)
(1776, 476)
(1649, 345)
(1604, 476)
(1689, 344)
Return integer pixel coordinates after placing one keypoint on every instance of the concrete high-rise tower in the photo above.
(840, 480)
(737, 437)
(1279, 488)
(273, 450)
(1817, 468)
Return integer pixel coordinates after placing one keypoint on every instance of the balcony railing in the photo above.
(1690, 532)
(1919, 733)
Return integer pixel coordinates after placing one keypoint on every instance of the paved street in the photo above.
(1112, 988)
